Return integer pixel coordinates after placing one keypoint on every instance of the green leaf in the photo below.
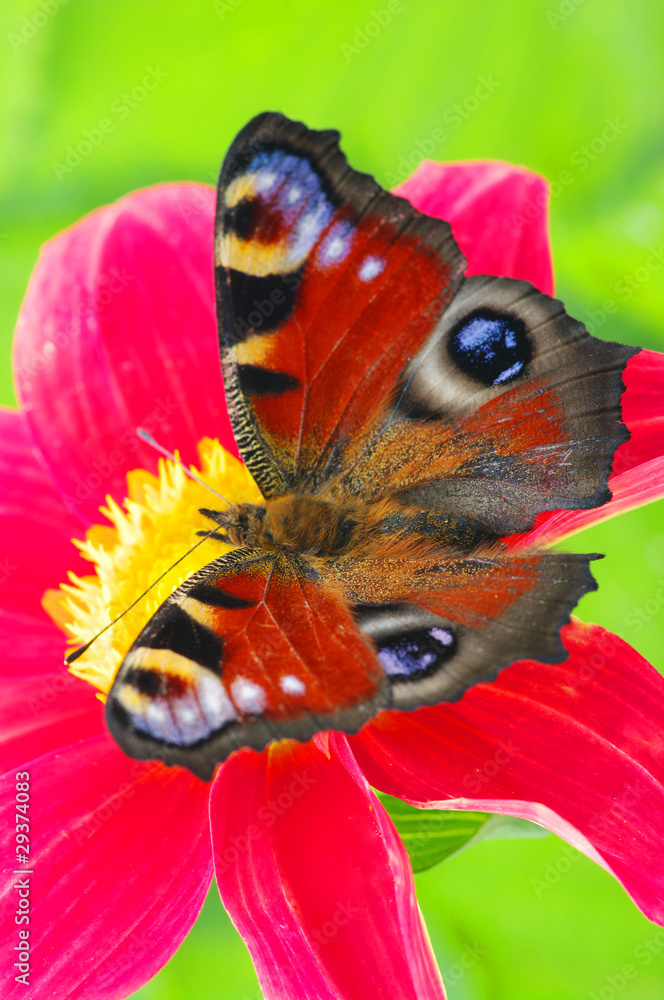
(433, 835)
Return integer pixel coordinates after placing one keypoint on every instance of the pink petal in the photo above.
(40, 714)
(117, 330)
(316, 879)
(121, 857)
(498, 213)
(29, 645)
(35, 527)
(578, 747)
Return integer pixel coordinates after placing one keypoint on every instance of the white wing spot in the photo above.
(443, 635)
(159, 722)
(337, 243)
(335, 248)
(371, 268)
(290, 684)
(265, 181)
(249, 697)
(215, 703)
(193, 726)
(294, 195)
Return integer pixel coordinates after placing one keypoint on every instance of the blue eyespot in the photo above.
(417, 653)
(492, 348)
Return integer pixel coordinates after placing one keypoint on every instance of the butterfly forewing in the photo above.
(327, 286)
(251, 648)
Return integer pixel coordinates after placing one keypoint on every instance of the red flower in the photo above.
(117, 327)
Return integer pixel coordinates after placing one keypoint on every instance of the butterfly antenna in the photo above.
(75, 653)
(147, 437)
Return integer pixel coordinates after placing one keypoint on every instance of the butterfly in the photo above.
(401, 421)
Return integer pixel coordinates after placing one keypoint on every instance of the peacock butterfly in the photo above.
(401, 421)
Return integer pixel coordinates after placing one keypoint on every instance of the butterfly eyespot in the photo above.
(417, 653)
(491, 347)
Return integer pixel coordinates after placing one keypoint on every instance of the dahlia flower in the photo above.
(117, 330)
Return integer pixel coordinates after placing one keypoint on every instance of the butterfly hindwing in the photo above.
(250, 649)
(443, 623)
(326, 288)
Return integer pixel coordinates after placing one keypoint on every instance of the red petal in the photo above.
(35, 527)
(643, 412)
(578, 747)
(316, 879)
(117, 330)
(498, 213)
(121, 857)
(40, 714)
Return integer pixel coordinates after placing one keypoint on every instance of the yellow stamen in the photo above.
(158, 524)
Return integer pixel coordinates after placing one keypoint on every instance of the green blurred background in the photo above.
(559, 70)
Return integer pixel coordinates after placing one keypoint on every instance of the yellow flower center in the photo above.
(157, 526)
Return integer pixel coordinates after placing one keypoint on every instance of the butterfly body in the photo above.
(401, 423)
(297, 522)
